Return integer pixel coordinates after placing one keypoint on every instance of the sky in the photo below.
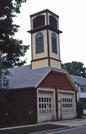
(72, 21)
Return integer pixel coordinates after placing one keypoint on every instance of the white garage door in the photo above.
(45, 106)
(67, 106)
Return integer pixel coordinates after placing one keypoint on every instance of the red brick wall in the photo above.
(56, 81)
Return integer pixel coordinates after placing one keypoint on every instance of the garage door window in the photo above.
(44, 105)
(66, 102)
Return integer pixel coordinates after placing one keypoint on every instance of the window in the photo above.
(45, 105)
(38, 21)
(67, 102)
(83, 89)
(53, 21)
(54, 42)
(39, 43)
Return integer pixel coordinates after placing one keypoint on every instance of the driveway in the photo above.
(71, 123)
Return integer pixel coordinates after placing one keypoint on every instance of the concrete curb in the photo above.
(51, 130)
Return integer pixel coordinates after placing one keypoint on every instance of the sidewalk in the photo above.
(68, 123)
(71, 123)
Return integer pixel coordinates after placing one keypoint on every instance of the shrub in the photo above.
(79, 109)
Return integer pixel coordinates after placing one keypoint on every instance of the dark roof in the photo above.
(46, 10)
(25, 77)
(43, 28)
(79, 80)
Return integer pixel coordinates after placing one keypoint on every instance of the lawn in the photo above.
(31, 129)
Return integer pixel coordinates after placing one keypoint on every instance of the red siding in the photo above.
(57, 81)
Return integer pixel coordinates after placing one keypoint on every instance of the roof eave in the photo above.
(42, 79)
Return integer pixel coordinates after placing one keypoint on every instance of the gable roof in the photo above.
(79, 80)
(25, 77)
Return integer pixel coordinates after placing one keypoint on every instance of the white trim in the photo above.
(46, 89)
(65, 91)
(54, 101)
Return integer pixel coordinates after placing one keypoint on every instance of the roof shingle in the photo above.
(79, 80)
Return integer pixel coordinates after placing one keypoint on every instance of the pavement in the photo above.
(71, 123)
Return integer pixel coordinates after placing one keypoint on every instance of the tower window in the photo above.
(39, 43)
(54, 42)
(53, 21)
(38, 21)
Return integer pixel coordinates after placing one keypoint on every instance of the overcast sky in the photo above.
(72, 22)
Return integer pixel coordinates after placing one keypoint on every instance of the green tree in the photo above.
(75, 68)
(11, 49)
(3, 75)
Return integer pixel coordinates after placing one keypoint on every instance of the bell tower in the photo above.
(45, 42)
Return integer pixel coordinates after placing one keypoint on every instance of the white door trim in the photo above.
(59, 101)
(54, 101)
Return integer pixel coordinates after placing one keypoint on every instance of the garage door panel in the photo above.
(66, 105)
(45, 108)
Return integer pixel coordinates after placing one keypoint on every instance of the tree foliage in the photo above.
(4, 81)
(75, 68)
(79, 109)
(10, 48)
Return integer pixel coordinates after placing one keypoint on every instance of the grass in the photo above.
(31, 129)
